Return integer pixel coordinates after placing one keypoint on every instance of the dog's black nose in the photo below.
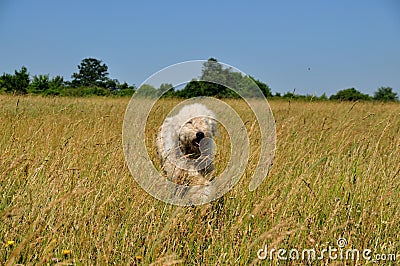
(199, 135)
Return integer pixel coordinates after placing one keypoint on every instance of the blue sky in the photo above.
(344, 43)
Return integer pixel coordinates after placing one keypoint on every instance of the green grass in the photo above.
(64, 185)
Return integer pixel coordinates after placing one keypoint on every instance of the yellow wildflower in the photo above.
(66, 252)
(9, 243)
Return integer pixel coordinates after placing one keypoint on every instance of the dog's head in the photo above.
(193, 132)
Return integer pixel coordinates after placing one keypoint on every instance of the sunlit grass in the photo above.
(67, 195)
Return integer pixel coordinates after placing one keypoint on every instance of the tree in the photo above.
(56, 83)
(124, 89)
(147, 90)
(266, 90)
(385, 94)
(111, 84)
(350, 94)
(289, 94)
(17, 83)
(39, 84)
(220, 82)
(42, 84)
(56, 86)
(197, 88)
(21, 80)
(212, 78)
(6, 82)
(167, 90)
(323, 97)
(214, 72)
(91, 73)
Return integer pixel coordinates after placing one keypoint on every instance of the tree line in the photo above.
(92, 78)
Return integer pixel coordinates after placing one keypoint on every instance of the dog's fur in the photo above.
(179, 149)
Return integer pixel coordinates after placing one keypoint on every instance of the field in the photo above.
(67, 196)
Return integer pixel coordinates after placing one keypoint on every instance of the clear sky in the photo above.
(314, 46)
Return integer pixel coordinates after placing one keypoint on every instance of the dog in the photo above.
(185, 146)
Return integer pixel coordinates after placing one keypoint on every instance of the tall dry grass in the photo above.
(67, 196)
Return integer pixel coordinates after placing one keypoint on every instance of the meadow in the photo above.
(67, 196)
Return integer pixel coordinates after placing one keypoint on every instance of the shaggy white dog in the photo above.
(185, 145)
